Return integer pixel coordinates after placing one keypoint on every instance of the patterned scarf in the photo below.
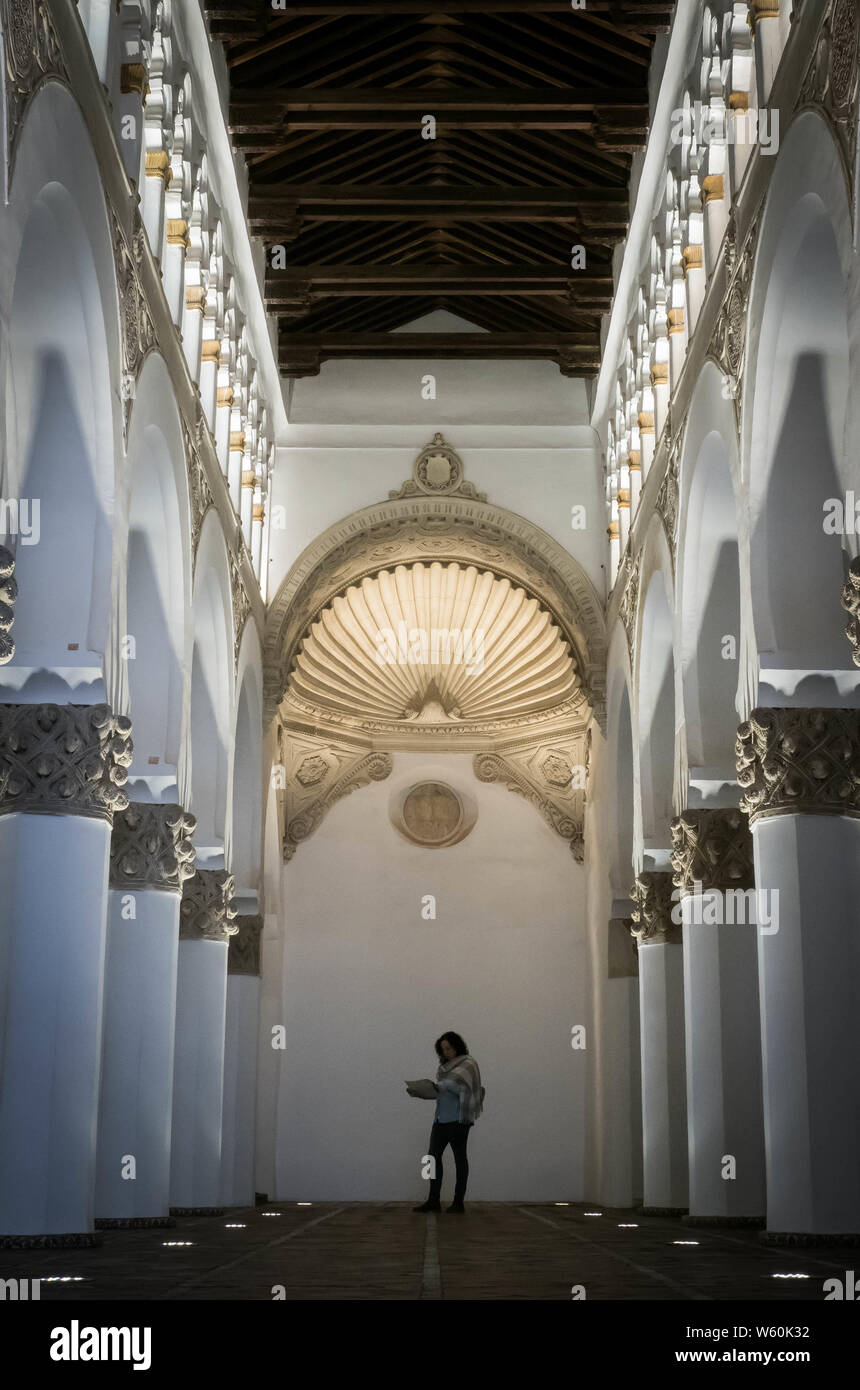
(464, 1070)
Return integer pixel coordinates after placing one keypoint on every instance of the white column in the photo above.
(240, 1064)
(619, 1095)
(151, 856)
(712, 858)
(661, 1005)
(800, 771)
(63, 767)
(198, 1078)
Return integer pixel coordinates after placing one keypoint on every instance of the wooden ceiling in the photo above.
(537, 106)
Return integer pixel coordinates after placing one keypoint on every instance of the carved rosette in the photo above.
(523, 771)
(851, 604)
(712, 850)
(243, 957)
(151, 848)
(652, 909)
(8, 595)
(207, 912)
(64, 760)
(32, 52)
(800, 762)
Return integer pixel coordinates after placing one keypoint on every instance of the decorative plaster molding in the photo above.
(243, 956)
(64, 760)
(851, 604)
(8, 595)
(729, 338)
(199, 491)
(151, 847)
(712, 849)
(438, 471)
(32, 52)
(800, 762)
(629, 605)
(667, 498)
(241, 601)
(524, 771)
(308, 793)
(455, 529)
(206, 912)
(652, 909)
(831, 80)
(138, 329)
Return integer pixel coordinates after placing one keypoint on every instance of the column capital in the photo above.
(712, 849)
(207, 912)
(652, 909)
(851, 604)
(243, 957)
(64, 760)
(800, 762)
(151, 847)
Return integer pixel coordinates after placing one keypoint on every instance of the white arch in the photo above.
(60, 369)
(245, 842)
(211, 694)
(655, 701)
(622, 766)
(796, 417)
(158, 583)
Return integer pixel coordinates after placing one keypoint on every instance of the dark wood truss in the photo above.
(537, 108)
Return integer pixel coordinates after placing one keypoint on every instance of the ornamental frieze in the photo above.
(151, 848)
(199, 491)
(64, 760)
(728, 341)
(851, 604)
(206, 912)
(667, 499)
(629, 605)
(241, 601)
(33, 53)
(8, 595)
(549, 777)
(653, 924)
(712, 850)
(800, 762)
(243, 955)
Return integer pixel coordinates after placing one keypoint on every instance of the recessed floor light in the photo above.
(628, 1225)
(789, 1276)
(304, 1204)
(177, 1242)
(685, 1242)
(63, 1279)
(270, 1213)
(561, 1204)
(234, 1226)
(592, 1213)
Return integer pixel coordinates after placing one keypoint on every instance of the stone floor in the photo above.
(384, 1251)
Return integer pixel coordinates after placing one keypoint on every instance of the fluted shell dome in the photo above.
(438, 643)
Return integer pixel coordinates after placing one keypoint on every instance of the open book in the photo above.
(423, 1090)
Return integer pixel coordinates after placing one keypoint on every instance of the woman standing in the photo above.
(460, 1102)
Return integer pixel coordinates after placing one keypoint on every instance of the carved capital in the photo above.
(207, 912)
(652, 909)
(712, 849)
(8, 595)
(64, 760)
(851, 604)
(151, 848)
(243, 957)
(800, 762)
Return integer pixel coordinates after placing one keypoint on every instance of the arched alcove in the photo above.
(656, 716)
(710, 620)
(247, 788)
(798, 398)
(156, 587)
(621, 801)
(59, 459)
(211, 696)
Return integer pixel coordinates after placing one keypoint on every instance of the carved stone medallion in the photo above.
(432, 813)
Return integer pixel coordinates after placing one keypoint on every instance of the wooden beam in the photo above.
(576, 354)
(296, 285)
(271, 207)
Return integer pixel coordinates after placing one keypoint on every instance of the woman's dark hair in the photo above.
(460, 1048)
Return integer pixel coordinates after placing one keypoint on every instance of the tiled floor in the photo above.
(368, 1251)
